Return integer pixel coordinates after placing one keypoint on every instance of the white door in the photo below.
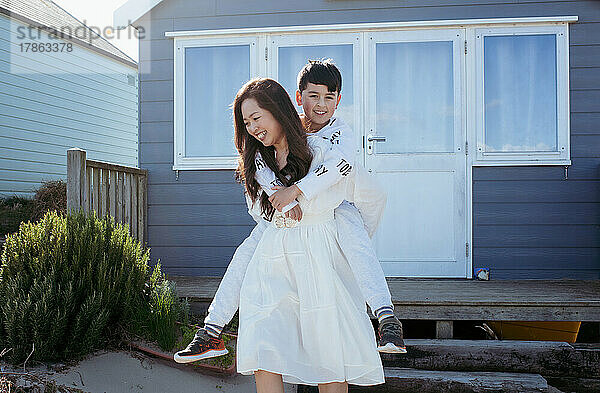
(414, 83)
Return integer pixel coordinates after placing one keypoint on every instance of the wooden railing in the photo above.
(117, 190)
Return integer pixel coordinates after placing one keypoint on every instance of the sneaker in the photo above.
(203, 346)
(391, 339)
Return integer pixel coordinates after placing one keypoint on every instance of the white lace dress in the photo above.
(301, 310)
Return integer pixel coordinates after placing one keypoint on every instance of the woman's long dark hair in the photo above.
(272, 97)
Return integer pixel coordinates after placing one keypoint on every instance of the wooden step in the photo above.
(405, 380)
(579, 385)
(460, 299)
(554, 359)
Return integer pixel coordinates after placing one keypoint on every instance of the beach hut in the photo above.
(482, 120)
(491, 117)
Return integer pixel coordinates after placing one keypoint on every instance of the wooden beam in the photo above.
(116, 168)
(112, 194)
(400, 380)
(568, 311)
(501, 292)
(104, 193)
(96, 205)
(87, 200)
(575, 384)
(142, 204)
(127, 200)
(444, 329)
(119, 198)
(454, 300)
(541, 357)
(75, 179)
(133, 227)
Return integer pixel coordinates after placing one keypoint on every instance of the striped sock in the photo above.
(384, 312)
(213, 330)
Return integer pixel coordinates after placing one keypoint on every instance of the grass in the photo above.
(164, 309)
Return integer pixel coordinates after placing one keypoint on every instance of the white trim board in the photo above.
(131, 11)
(374, 26)
(522, 163)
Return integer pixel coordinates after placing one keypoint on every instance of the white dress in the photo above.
(302, 314)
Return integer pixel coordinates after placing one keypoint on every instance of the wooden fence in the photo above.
(117, 190)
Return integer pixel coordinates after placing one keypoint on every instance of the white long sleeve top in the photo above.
(366, 194)
(338, 164)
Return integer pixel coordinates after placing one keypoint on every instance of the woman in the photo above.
(302, 317)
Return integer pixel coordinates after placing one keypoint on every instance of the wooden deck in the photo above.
(452, 300)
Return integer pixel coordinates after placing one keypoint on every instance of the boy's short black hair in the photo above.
(320, 72)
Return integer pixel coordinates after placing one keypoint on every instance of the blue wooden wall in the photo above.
(529, 222)
(51, 102)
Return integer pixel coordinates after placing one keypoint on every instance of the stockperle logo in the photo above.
(87, 33)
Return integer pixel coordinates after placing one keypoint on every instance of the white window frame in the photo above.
(261, 64)
(562, 155)
(180, 161)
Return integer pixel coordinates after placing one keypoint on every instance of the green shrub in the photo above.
(51, 196)
(13, 211)
(66, 282)
(157, 319)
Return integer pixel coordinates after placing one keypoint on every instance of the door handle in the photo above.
(371, 139)
(375, 138)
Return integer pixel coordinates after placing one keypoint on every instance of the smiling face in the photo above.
(261, 124)
(318, 104)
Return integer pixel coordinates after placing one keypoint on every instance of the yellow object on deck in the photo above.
(536, 331)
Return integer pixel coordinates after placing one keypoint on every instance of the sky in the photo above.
(100, 14)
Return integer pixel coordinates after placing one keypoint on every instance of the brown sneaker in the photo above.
(203, 346)
(391, 338)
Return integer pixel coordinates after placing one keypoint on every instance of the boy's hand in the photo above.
(305, 121)
(295, 213)
(284, 196)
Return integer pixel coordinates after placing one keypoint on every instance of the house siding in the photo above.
(528, 222)
(51, 102)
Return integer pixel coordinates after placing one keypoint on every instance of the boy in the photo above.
(319, 87)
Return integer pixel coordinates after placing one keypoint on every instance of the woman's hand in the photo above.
(295, 213)
(284, 196)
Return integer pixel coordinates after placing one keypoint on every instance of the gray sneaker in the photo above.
(203, 346)
(391, 337)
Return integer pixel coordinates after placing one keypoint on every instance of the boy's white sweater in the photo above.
(366, 194)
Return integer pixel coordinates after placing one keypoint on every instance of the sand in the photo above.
(123, 371)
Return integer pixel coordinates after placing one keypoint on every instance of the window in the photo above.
(522, 95)
(415, 94)
(500, 86)
(208, 74)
